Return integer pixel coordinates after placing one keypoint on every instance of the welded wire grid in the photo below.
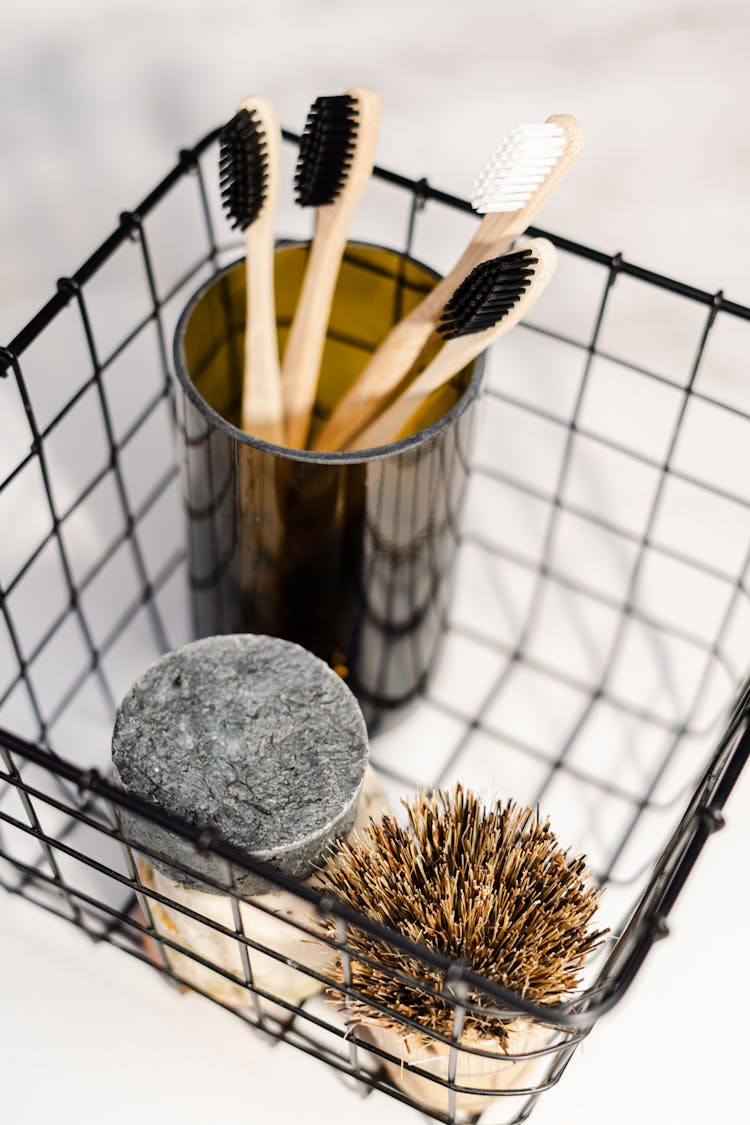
(593, 646)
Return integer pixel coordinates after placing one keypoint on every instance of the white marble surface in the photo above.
(95, 99)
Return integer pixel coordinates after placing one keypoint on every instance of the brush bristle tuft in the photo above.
(485, 883)
(243, 172)
(520, 163)
(325, 150)
(488, 294)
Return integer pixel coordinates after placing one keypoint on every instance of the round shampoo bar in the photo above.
(251, 737)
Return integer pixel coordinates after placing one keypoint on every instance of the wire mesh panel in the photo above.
(594, 650)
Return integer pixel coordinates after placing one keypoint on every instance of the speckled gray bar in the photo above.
(249, 736)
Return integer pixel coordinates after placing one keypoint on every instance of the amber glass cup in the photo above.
(348, 554)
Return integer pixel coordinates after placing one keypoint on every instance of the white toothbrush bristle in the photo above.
(518, 165)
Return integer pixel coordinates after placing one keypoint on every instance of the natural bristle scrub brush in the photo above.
(249, 147)
(519, 177)
(483, 883)
(337, 152)
(486, 305)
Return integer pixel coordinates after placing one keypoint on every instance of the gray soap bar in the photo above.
(249, 736)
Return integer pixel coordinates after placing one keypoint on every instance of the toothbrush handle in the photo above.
(388, 425)
(304, 347)
(262, 403)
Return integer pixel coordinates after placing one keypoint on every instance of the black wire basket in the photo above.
(593, 657)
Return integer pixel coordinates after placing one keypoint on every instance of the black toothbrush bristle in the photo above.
(325, 150)
(243, 174)
(488, 294)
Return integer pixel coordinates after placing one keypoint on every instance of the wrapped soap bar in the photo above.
(258, 741)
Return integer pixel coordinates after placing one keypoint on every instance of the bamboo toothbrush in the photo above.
(487, 304)
(249, 180)
(519, 177)
(336, 156)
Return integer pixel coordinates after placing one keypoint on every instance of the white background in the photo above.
(96, 98)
